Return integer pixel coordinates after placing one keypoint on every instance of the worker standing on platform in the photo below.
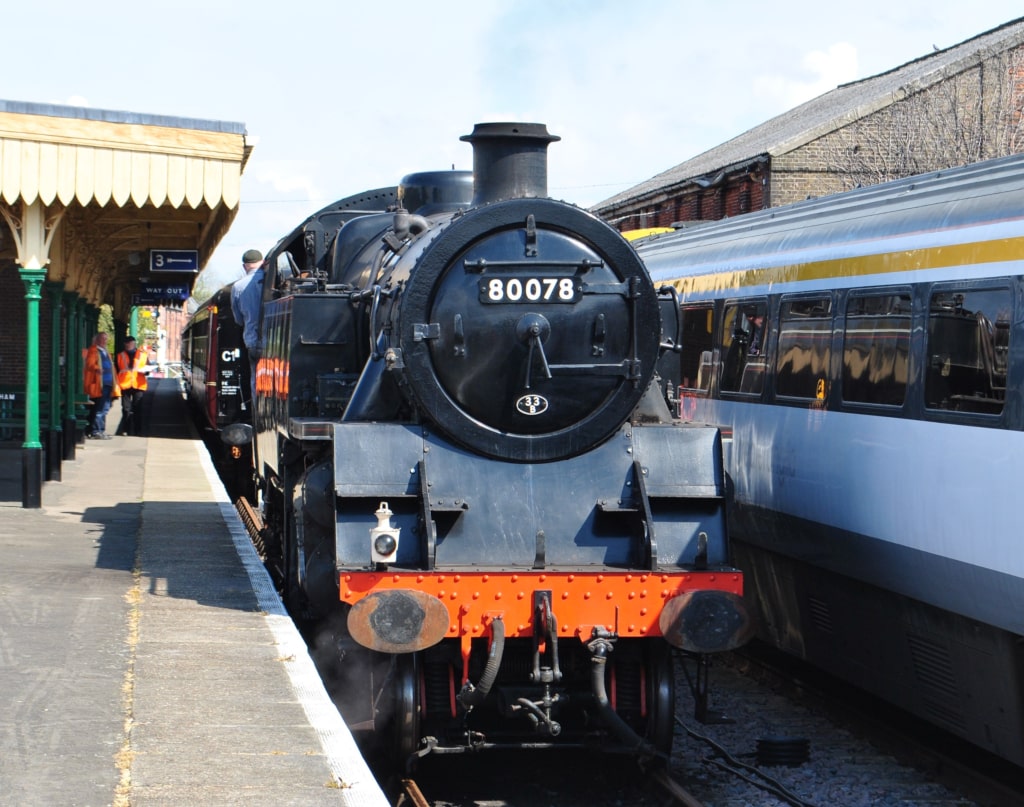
(100, 386)
(246, 298)
(132, 367)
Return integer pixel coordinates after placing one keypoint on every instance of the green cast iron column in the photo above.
(72, 370)
(120, 331)
(32, 449)
(55, 428)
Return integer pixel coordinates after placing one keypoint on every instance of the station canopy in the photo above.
(92, 194)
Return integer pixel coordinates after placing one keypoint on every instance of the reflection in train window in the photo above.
(968, 345)
(744, 333)
(876, 345)
(695, 360)
(805, 333)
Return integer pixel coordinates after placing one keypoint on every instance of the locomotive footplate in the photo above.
(697, 611)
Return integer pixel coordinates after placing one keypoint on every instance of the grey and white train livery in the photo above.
(866, 353)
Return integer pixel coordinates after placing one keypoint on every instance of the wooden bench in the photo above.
(12, 414)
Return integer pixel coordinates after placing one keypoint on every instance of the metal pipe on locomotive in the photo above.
(467, 465)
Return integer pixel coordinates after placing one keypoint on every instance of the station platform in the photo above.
(145, 657)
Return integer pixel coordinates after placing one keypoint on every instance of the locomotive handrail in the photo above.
(622, 289)
(626, 368)
(483, 264)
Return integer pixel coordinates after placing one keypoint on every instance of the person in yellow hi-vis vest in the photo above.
(132, 366)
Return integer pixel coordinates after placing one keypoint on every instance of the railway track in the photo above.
(857, 752)
(410, 795)
(838, 761)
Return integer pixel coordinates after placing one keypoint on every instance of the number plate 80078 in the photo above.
(529, 290)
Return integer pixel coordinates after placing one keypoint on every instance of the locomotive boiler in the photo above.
(468, 473)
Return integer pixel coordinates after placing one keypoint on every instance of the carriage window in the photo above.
(200, 345)
(744, 338)
(968, 345)
(695, 359)
(876, 346)
(805, 333)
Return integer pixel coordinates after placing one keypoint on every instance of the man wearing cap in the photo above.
(132, 366)
(246, 297)
(252, 259)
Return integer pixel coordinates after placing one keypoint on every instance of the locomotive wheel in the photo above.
(645, 692)
(273, 540)
(289, 582)
(661, 697)
(293, 596)
(405, 722)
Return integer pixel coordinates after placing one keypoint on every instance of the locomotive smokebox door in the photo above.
(529, 332)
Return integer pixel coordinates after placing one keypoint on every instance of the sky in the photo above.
(340, 97)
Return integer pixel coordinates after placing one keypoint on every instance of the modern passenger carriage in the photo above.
(866, 353)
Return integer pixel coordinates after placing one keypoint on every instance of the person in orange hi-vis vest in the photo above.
(132, 367)
(100, 385)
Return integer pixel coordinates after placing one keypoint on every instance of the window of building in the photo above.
(744, 339)
(876, 348)
(804, 350)
(968, 345)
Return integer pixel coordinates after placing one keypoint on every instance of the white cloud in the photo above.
(821, 71)
(281, 178)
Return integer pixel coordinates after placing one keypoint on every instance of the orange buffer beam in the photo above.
(628, 602)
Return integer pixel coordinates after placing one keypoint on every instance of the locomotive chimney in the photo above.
(510, 160)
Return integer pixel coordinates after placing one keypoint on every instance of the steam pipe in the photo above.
(599, 650)
(406, 224)
(471, 696)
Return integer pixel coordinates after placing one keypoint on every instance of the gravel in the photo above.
(842, 770)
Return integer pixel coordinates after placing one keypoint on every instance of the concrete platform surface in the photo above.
(145, 657)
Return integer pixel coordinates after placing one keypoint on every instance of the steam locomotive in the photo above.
(468, 473)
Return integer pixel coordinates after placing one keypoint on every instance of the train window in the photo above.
(698, 342)
(968, 346)
(805, 335)
(744, 333)
(876, 347)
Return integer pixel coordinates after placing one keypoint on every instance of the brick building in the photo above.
(951, 107)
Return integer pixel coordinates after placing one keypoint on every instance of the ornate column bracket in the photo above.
(33, 232)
